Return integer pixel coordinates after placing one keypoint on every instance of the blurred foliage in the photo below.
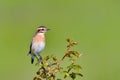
(50, 66)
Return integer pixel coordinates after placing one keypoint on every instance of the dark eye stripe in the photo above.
(38, 30)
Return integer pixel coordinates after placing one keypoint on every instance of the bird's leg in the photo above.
(37, 57)
(37, 60)
(40, 58)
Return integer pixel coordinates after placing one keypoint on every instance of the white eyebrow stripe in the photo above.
(40, 28)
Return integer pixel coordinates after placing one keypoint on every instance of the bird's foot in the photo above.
(39, 59)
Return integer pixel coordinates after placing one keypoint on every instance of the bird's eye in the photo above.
(42, 29)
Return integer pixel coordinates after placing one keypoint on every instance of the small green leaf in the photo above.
(70, 66)
(75, 53)
(35, 78)
(67, 75)
(68, 40)
(47, 58)
(77, 67)
(80, 74)
(38, 72)
(73, 75)
(55, 58)
(64, 72)
(75, 43)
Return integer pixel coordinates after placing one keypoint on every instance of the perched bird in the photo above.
(38, 43)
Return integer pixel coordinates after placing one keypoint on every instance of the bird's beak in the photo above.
(48, 29)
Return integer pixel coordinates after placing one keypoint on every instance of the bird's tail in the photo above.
(32, 60)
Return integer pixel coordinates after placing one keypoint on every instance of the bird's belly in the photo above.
(37, 47)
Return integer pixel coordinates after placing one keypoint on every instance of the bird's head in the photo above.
(42, 29)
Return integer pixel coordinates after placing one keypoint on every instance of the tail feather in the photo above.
(32, 60)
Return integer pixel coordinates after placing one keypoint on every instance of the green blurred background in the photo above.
(94, 24)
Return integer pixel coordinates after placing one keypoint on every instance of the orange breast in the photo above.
(39, 38)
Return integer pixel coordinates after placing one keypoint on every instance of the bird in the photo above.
(38, 43)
